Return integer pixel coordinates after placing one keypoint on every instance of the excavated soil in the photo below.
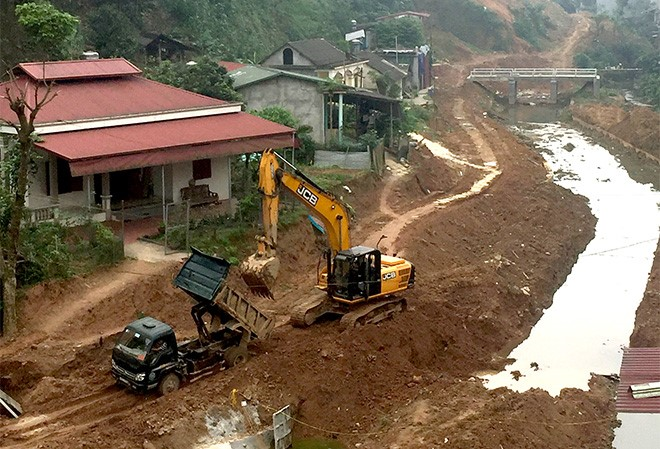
(487, 263)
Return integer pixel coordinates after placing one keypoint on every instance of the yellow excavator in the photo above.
(357, 282)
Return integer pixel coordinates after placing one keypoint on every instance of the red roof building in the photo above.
(110, 134)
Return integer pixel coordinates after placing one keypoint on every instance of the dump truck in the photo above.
(147, 355)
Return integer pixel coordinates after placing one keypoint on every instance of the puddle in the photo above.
(593, 313)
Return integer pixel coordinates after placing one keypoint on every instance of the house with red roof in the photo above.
(110, 134)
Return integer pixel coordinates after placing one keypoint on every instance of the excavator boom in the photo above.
(260, 270)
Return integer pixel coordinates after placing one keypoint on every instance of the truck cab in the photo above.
(144, 352)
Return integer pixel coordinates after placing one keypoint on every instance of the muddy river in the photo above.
(593, 313)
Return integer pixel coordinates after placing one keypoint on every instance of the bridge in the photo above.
(513, 75)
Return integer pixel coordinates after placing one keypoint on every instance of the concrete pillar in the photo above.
(554, 89)
(88, 189)
(106, 196)
(162, 183)
(340, 119)
(52, 174)
(513, 91)
(597, 86)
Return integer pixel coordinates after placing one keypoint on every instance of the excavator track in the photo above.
(373, 313)
(307, 311)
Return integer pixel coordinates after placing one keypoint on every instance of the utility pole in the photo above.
(396, 48)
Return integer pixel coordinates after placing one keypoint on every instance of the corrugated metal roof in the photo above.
(639, 365)
(166, 142)
(86, 68)
(115, 97)
(382, 66)
(251, 74)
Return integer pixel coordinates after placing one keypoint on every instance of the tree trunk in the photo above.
(10, 317)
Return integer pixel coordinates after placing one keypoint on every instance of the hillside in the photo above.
(248, 30)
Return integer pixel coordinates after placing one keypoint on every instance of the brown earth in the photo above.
(639, 126)
(406, 383)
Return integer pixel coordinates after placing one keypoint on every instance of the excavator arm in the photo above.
(260, 269)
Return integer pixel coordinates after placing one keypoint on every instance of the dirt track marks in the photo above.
(96, 294)
(81, 413)
(489, 169)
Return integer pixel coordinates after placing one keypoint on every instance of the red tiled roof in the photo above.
(639, 366)
(87, 68)
(166, 142)
(231, 65)
(103, 98)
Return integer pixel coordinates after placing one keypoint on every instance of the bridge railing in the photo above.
(500, 73)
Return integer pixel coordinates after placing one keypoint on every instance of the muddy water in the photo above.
(593, 313)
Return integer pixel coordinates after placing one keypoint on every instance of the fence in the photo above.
(363, 160)
(177, 227)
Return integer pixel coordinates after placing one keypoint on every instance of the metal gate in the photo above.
(282, 428)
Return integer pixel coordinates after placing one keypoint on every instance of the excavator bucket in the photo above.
(259, 273)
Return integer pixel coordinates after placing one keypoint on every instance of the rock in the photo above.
(148, 445)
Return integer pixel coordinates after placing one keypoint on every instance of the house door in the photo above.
(132, 186)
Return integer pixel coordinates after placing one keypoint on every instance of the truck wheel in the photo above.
(236, 355)
(169, 384)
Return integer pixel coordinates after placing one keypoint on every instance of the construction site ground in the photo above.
(492, 238)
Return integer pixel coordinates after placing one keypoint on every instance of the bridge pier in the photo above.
(554, 89)
(597, 86)
(513, 91)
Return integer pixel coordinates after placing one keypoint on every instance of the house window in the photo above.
(202, 169)
(287, 56)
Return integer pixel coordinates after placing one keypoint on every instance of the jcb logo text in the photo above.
(307, 195)
(388, 276)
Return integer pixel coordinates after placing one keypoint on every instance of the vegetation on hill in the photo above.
(627, 39)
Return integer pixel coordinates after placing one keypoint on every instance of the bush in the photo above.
(44, 254)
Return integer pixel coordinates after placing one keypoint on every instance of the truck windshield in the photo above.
(134, 343)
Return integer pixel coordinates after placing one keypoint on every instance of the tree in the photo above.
(25, 102)
(406, 32)
(112, 33)
(204, 77)
(50, 32)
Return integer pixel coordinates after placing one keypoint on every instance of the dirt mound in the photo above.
(638, 126)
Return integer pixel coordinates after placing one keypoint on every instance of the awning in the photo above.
(161, 143)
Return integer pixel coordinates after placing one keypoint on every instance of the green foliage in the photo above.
(278, 114)
(45, 255)
(104, 247)
(205, 77)
(387, 86)
(112, 33)
(582, 60)
(531, 24)
(54, 251)
(414, 118)
(50, 32)
(406, 32)
(649, 87)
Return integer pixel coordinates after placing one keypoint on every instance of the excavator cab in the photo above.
(356, 274)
